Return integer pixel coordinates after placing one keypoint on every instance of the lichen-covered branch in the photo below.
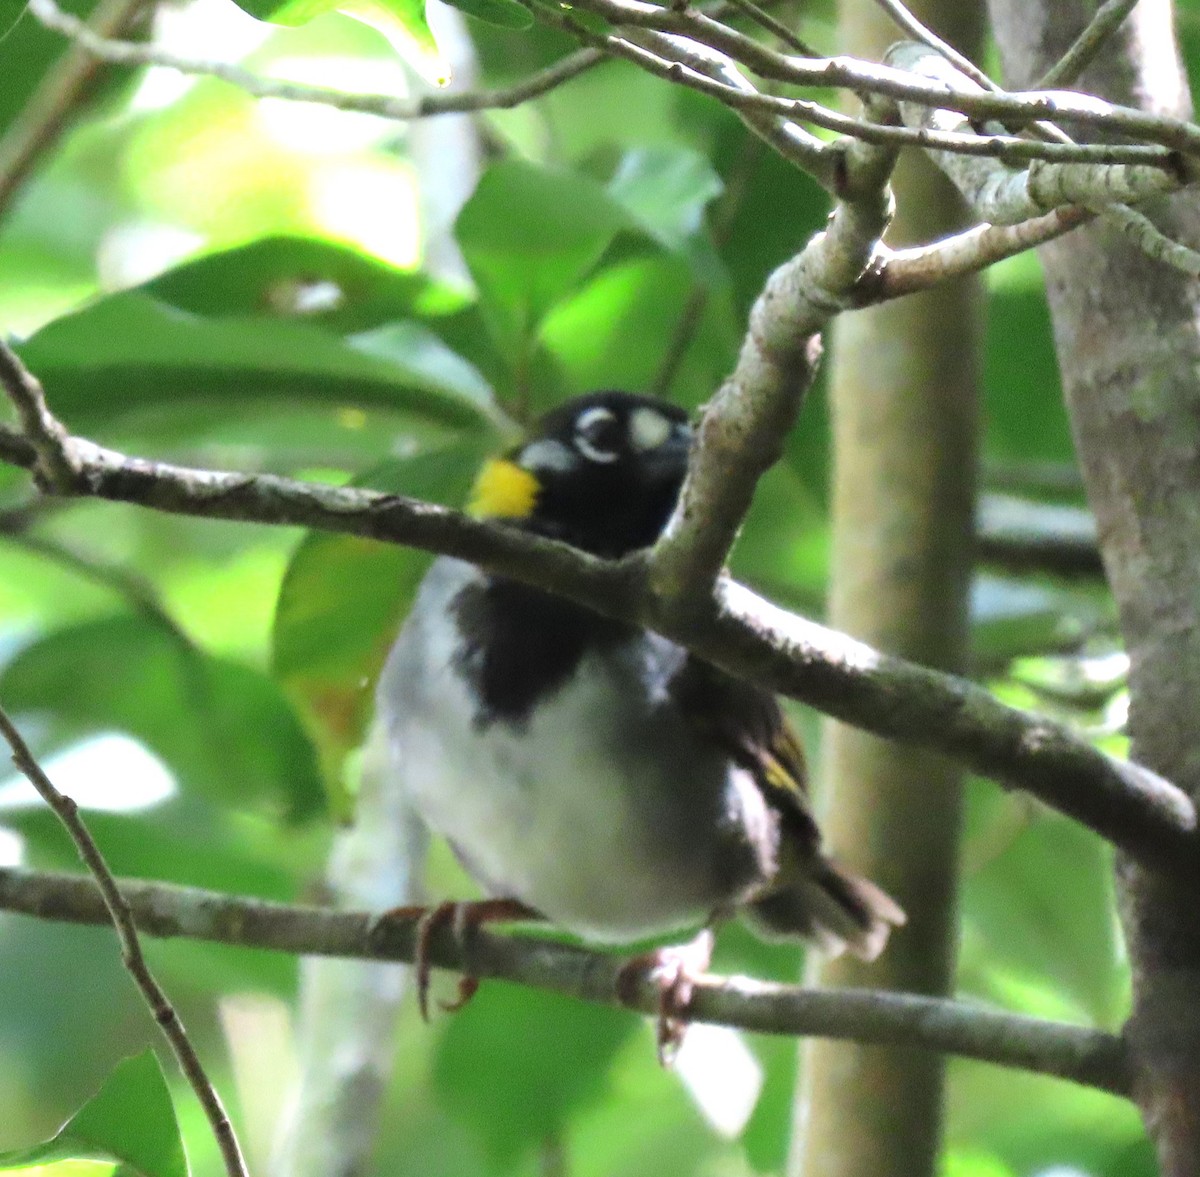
(903, 271)
(999, 194)
(1075, 1053)
(742, 431)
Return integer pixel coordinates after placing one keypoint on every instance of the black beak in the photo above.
(668, 462)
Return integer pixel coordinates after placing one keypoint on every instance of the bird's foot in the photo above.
(462, 918)
(673, 971)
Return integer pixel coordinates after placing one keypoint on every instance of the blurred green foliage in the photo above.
(198, 277)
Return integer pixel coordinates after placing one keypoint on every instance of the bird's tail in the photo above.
(822, 902)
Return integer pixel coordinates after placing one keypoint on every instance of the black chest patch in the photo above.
(520, 645)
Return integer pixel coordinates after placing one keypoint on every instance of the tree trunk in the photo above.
(1128, 346)
(904, 412)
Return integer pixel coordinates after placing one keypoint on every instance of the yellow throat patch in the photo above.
(503, 490)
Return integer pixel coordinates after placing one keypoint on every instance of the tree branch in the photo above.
(1109, 17)
(1087, 1056)
(119, 52)
(1002, 196)
(59, 95)
(53, 466)
(744, 98)
(742, 431)
(904, 271)
(911, 24)
(114, 909)
(737, 630)
(884, 81)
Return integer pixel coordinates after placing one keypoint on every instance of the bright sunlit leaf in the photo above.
(130, 1121)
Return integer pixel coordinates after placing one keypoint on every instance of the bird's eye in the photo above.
(598, 435)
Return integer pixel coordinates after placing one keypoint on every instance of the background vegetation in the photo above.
(233, 283)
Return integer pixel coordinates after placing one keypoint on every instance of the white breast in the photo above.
(603, 812)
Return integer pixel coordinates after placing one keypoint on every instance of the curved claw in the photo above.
(427, 925)
(461, 917)
(673, 971)
(467, 988)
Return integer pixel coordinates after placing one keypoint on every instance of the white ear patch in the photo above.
(648, 429)
(547, 454)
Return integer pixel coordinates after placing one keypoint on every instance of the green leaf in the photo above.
(503, 13)
(518, 1065)
(223, 728)
(615, 330)
(1025, 415)
(530, 235)
(341, 603)
(131, 351)
(303, 278)
(402, 22)
(129, 1121)
(665, 191)
(1038, 902)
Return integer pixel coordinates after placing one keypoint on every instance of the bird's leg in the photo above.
(673, 970)
(462, 917)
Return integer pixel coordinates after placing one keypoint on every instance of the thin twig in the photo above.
(701, 68)
(1076, 1053)
(43, 432)
(675, 60)
(60, 94)
(1109, 17)
(905, 271)
(119, 913)
(1017, 109)
(1152, 241)
(909, 22)
(777, 28)
(387, 106)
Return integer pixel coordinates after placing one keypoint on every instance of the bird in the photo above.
(592, 773)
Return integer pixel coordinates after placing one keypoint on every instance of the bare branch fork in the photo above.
(113, 908)
(694, 49)
(1075, 1053)
(863, 78)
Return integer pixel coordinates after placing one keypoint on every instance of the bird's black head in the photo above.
(601, 472)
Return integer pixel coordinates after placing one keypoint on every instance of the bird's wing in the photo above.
(749, 724)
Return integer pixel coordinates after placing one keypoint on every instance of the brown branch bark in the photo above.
(1075, 1053)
